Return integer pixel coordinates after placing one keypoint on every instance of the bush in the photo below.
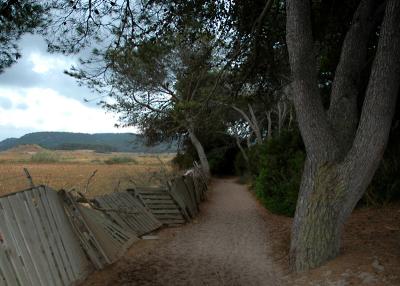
(278, 180)
(183, 160)
(120, 160)
(45, 157)
(254, 154)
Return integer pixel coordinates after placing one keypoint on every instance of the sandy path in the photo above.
(226, 245)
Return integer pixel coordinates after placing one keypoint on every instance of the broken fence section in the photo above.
(51, 238)
(161, 204)
(179, 201)
(128, 212)
(38, 245)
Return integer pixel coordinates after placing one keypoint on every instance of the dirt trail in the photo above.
(226, 245)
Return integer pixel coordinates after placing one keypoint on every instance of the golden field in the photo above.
(72, 169)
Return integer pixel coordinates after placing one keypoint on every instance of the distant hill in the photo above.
(100, 142)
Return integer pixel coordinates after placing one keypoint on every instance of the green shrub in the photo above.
(278, 180)
(254, 155)
(45, 157)
(183, 160)
(120, 160)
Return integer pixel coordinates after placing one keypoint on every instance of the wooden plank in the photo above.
(129, 220)
(181, 189)
(190, 183)
(110, 236)
(10, 277)
(164, 216)
(104, 202)
(149, 189)
(158, 201)
(173, 222)
(76, 256)
(92, 246)
(43, 239)
(163, 207)
(155, 198)
(12, 250)
(31, 238)
(165, 211)
(178, 200)
(52, 240)
(56, 227)
(22, 250)
(190, 189)
(148, 221)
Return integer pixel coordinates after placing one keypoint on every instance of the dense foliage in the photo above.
(16, 18)
(281, 165)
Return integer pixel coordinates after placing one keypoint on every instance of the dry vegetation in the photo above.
(72, 169)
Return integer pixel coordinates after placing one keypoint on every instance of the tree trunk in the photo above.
(255, 125)
(252, 122)
(317, 226)
(281, 115)
(340, 163)
(200, 152)
(245, 157)
(269, 132)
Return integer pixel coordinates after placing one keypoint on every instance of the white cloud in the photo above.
(46, 110)
(43, 64)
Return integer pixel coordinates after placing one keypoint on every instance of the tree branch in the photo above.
(313, 123)
(343, 113)
(379, 106)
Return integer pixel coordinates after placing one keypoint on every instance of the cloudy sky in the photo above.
(35, 95)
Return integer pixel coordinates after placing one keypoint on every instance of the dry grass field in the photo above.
(72, 169)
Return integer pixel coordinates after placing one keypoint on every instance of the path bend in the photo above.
(226, 245)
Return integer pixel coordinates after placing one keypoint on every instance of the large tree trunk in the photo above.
(200, 152)
(316, 228)
(341, 159)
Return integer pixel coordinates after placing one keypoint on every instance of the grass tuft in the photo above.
(120, 160)
(45, 157)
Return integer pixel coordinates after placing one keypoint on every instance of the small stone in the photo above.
(327, 273)
(367, 278)
(377, 266)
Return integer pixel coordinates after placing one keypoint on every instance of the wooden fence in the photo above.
(38, 245)
(161, 204)
(128, 212)
(55, 238)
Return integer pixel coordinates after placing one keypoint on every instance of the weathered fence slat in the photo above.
(12, 223)
(41, 232)
(77, 258)
(7, 274)
(52, 237)
(31, 239)
(153, 198)
(132, 213)
(37, 241)
(87, 239)
(44, 235)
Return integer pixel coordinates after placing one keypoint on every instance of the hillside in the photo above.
(101, 142)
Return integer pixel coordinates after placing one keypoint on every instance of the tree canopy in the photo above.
(16, 18)
(195, 69)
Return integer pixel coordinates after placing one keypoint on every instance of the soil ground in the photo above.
(235, 241)
(226, 245)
